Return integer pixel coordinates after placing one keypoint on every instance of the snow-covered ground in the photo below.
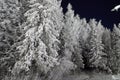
(92, 76)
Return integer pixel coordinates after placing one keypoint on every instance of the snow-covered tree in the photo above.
(67, 36)
(114, 57)
(84, 33)
(95, 55)
(42, 27)
(65, 58)
(106, 39)
(71, 31)
(77, 37)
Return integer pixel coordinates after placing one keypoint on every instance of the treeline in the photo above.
(39, 42)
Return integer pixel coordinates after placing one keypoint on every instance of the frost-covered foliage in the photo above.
(9, 32)
(96, 57)
(39, 42)
(61, 70)
(114, 57)
(9, 21)
(106, 39)
(71, 33)
(67, 35)
(42, 27)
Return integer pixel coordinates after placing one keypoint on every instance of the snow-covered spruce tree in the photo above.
(114, 56)
(40, 45)
(95, 56)
(65, 61)
(106, 39)
(67, 35)
(9, 32)
(71, 31)
(78, 36)
(84, 33)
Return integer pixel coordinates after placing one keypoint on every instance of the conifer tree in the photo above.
(65, 60)
(67, 36)
(40, 44)
(95, 55)
(106, 39)
(72, 50)
(114, 57)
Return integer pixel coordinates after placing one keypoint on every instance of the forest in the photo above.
(40, 42)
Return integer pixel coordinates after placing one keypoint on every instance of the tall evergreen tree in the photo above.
(84, 34)
(114, 59)
(95, 55)
(40, 44)
(67, 36)
(106, 39)
(72, 50)
(65, 57)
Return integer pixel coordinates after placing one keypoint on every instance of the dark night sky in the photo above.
(98, 9)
